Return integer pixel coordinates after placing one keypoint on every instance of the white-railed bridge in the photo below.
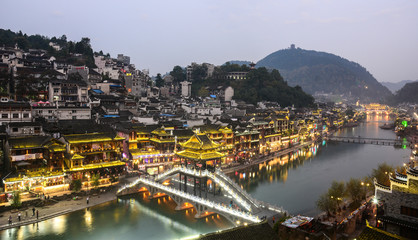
(228, 199)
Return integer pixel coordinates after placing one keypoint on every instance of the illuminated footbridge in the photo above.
(364, 140)
(189, 188)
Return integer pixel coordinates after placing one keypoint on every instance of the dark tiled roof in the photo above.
(183, 133)
(399, 222)
(371, 234)
(14, 104)
(24, 124)
(28, 142)
(257, 232)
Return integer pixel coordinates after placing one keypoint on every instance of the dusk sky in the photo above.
(380, 35)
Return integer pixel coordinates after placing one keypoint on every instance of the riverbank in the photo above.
(58, 208)
(263, 159)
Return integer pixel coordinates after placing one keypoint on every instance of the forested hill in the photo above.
(67, 52)
(258, 85)
(407, 94)
(325, 73)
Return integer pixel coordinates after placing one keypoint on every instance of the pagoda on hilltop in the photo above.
(200, 152)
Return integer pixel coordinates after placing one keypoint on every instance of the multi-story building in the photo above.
(53, 114)
(68, 91)
(15, 112)
(93, 153)
(36, 164)
(247, 143)
(20, 129)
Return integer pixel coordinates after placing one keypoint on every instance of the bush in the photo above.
(76, 185)
(16, 201)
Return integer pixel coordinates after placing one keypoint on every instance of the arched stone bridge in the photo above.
(246, 209)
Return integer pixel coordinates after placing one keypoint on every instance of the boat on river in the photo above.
(387, 126)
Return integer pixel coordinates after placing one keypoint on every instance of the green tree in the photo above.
(355, 190)
(203, 92)
(159, 81)
(76, 185)
(179, 74)
(325, 203)
(381, 174)
(199, 73)
(336, 192)
(16, 201)
(95, 180)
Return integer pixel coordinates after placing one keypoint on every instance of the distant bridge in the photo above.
(364, 140)
(247, 210)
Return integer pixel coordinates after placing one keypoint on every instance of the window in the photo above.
(74, 117)
(49, 111)
(26, 115)
(15, 115)
(15, 130)
(408, 211)
(56, 90)
(74, 111)
(4, 115)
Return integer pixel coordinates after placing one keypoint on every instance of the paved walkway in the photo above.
(57, 209)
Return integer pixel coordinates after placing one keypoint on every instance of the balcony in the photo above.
(30, 156)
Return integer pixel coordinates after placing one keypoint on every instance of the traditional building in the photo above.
(201, 152)
(36, 164)
(398, 204)
(93, 153)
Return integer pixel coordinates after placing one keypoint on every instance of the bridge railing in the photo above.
(248, 196)
(220, 181)
(208, 203)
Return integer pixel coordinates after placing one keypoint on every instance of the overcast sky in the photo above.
(380, 35)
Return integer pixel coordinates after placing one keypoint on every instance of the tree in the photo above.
(336, 192)
(203, 92)
(381, 174)
(355, 190)
(96, 180)
(159, 81)
(178, 74)
(326, 204)
(76, 185)
(16, 201)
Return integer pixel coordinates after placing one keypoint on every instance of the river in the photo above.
(294, 181)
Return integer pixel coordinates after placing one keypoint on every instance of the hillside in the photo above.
(67, 51)
(320, 72)
(258, 85)
(407, 94)
(395, 86)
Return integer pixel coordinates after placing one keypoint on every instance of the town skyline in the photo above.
(160, 36)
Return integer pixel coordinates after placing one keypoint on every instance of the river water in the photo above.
(294, 181)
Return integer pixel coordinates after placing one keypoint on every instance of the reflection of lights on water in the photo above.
(88, 219)
(165, 220)
(58, 224)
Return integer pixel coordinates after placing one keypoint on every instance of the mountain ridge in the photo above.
(321, 72)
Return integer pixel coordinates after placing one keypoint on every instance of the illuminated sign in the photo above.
(405, 123)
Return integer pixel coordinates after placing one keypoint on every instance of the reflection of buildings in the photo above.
(398, 204)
